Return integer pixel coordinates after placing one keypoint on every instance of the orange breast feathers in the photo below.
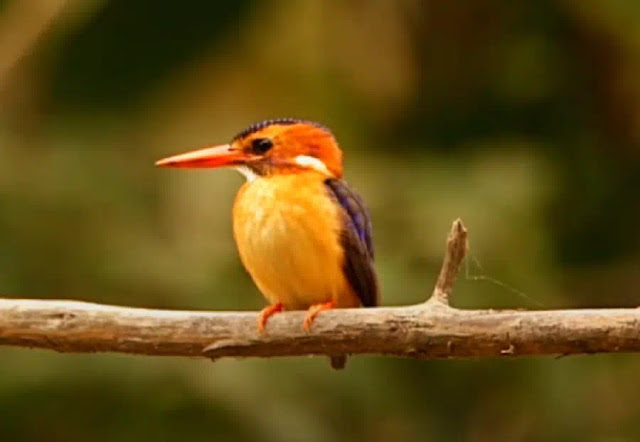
(287, 230)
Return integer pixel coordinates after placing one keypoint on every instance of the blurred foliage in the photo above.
(523, 118)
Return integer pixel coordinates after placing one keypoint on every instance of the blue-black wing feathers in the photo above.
(357, 242)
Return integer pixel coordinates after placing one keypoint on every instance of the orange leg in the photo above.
(265, 313)
(313, 312)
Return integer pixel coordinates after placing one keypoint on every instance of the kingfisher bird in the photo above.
(302, 233)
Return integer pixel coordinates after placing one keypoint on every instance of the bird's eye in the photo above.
(261, 145)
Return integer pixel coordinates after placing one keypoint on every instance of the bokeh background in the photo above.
(523, 118)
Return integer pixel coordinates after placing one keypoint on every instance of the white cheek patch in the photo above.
(249, 174)
(301, 160)
(312, 163)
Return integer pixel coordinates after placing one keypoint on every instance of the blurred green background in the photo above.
(523, 118)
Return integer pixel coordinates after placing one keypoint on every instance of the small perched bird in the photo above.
(302, 233)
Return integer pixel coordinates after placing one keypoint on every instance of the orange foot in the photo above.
(265, 313)
(313, 312)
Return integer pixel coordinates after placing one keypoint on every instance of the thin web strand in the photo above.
(486, 278)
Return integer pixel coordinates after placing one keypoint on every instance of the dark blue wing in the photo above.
(357, 242)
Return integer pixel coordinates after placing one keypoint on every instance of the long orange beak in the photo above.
(217, 156)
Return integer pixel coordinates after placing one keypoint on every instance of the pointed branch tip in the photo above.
(457, 244)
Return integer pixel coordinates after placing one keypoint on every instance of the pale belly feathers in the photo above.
(287, 232)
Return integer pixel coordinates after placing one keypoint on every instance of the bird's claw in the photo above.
(265, 314)
(313, 312)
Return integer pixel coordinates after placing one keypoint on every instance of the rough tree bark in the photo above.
(426, 331)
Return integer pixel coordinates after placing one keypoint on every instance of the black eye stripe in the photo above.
(261, 145)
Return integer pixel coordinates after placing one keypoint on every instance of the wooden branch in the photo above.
(457, 245)
(426, 331)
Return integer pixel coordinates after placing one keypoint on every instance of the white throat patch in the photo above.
(249, 174)
(312, 163)
(301, 160)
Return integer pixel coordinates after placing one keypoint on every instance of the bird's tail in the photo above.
(338, 362)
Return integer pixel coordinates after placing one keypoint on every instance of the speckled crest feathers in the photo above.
(281, 121)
